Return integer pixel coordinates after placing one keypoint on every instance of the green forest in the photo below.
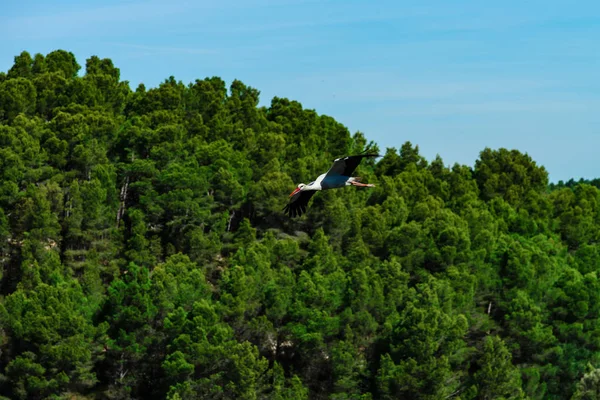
(144, 253)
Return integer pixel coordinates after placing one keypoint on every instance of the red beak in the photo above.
(294, 192)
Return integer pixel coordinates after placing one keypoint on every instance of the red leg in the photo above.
(362, 184)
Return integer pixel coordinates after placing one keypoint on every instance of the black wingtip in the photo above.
(364, 154)
(365, 151)
(288, 210)
(292, 212)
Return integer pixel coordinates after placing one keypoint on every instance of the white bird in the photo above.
(339, 175)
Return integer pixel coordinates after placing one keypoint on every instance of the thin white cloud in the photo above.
(445, 90)
(79, 20)
(268, 16)
(495, 107)
(164, 50)
(377, 85)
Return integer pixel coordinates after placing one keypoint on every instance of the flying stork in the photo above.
(339, 175)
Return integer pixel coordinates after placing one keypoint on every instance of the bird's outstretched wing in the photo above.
(345, 166)
(298, 202)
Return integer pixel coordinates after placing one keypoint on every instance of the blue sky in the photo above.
(453, 77)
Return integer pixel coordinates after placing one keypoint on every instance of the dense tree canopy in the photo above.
(144, 254)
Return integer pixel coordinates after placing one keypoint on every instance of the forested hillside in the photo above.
(144, 254)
